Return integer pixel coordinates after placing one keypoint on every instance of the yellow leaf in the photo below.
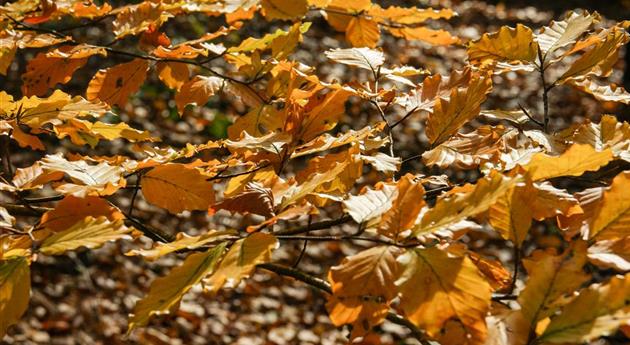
(36, 112)
(462, 106)
(575, 161)
(322, 114)
(598, 311)
(599, 59)
(15, 289)
(511, 215)
(436, 286)
(197, 91)
(7, 53)
(362, 288)
(608, 133)
(177, 188)
(166, 292)
(408, 15)
(463, 202)
(281, 42)
(436, 37)
(134, 19)
(362, 32)
(550, 278)
(325, 179)
(612, 214)
(90, 233)
(508, 45)
(240, 261)
(284, 9)
(83, 132)
(114, 85)
(72, 210)
(182, 241)
(338, 184)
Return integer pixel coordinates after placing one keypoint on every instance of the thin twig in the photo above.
(545, 91)
(529, 116)
(135, 193)
(409, 113)
(314, 226)
(219, 176)
(303, 251)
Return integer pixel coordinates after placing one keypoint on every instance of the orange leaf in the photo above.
(115, 84)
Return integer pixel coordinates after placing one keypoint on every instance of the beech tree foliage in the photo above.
(285, 166)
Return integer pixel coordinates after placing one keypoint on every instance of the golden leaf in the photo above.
(463, 202)
(182, 241)
(436, 286)
(7, 53)
(166, 292)
(134, 19)
(114, 85)
(83, 132)
(362, 32)
(362, 288)
(463, 105)
(597, 311)
(408, 15)
(599, 59)
(575, 161)
(612, 214)
(15, 289)
(240, 261)
(89, 232)
(177, 188)
(508, 45)
(421, 33)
